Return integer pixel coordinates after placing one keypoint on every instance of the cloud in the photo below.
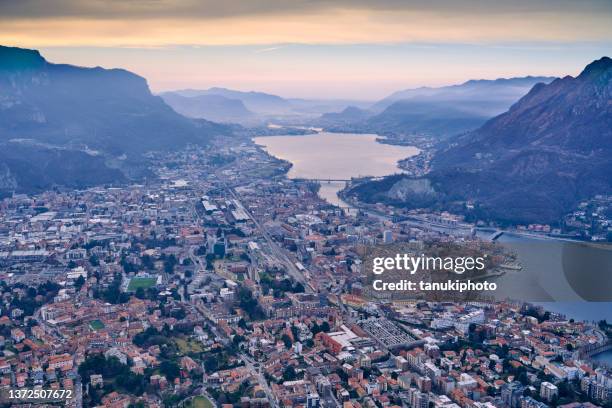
(269, 49)
(150, 23)
(210, 9)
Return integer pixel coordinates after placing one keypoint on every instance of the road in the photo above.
(277, 251)
(262, 380)
(248, 361)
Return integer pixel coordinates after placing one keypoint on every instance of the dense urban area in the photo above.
(221, 283)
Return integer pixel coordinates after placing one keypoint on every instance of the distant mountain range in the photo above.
(256, 102)
(62, 125)
(215, 108)
(67, 125)
(533, 163)
(222, 105)
(436, 112)
(349, 116)
(501, 91)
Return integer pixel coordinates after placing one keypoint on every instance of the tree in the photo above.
(242, 324)
(170, 369)
(118, 374)
(289, 374)
(249, 304)
(169, 263)
(147, 262)
(94, 261)
(79, 282)
(295, 332)
(522, 376)
(140, 293)
(128, 266)
(211, 364)
(178, 314)
(150, 337)
(287, 340)
(565, 389)
(237, 339)
(113, 294)
(325, 327)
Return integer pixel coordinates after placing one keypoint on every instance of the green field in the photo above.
(200, 402)
(96, 325)
(144, 283)
(187, 346)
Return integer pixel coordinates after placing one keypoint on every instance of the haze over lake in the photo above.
(328, 155)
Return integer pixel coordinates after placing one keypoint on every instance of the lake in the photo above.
(328, 155)
(550, 276)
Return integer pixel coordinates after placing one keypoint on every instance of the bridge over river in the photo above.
(331, 180)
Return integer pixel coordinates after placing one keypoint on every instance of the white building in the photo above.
(548, 391)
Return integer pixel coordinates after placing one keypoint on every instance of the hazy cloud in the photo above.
(104, 9)
(348, 48)
(267, 23)
(269, 49)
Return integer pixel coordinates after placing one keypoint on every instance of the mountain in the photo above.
(535, 162)
(448, 110)
(215, 108)
(263, 107)
(433, 118)
(350, 114)
(540, 158)
(318, 107)
(257, 102)
(51, 114)
(500, 91)
(31, 168)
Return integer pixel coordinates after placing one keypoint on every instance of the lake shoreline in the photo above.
(326, 155)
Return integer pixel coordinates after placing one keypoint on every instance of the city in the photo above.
(223, 282)
(305, 204)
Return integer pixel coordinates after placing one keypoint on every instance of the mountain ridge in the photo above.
(535, 162)
(216, 108)
(447, 91)
(95, 113)
(437, 112)
(254, 101)
(550, 150)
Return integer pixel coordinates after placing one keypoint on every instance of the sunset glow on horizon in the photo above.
(337, 49)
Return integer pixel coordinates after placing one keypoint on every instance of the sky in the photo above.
(326, 49)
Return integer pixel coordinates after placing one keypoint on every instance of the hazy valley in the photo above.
(545, 140)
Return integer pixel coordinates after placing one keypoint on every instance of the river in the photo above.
(605, 357)
(326, 155)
